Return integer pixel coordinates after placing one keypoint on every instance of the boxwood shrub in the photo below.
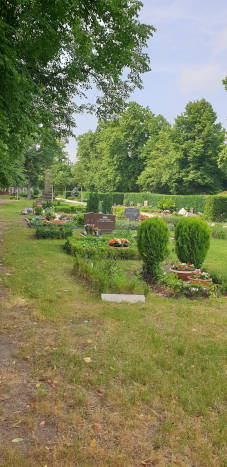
(216, 208)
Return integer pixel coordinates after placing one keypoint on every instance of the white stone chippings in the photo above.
(119, 298)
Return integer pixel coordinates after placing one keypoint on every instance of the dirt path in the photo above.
(21, 427)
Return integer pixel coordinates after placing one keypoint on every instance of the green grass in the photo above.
(155, 384)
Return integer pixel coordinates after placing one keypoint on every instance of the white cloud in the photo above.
(201, 78)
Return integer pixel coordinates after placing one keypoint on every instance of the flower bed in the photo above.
(119, 242)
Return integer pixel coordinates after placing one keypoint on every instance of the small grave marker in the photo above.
(132, 214)
(145, 203)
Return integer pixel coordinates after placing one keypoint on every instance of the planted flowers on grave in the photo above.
(119, 242)
(91, 229)
(200, 277)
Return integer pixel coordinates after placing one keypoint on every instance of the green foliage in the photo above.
(178, 287)
(192, 240)
(54, 231)
(152, 242)
(38, 210)
(182, 201)
(93, 202)
(167, 204)
(218, 232)
(105, 275)
(216, 208)
(67, 208)
(119, 211)
(99, 39)
(89, 249)
(79, 219)
(107, 202)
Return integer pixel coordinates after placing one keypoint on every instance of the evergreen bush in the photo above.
(216, 208)
(93, 202)
(192, 240)
(152, 242)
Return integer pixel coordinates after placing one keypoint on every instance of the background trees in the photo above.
(142, 151)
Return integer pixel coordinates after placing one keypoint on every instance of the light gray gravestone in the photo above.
(132, 214)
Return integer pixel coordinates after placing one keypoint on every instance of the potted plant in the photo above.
(201, 277)
(183, 270)
(91, 229)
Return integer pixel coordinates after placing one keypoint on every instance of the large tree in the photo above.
(199, 139)
(113, 156)
(54, 50)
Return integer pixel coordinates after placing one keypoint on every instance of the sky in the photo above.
(188, 54)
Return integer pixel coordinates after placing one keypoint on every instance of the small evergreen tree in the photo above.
(192, 240)
(152, 242)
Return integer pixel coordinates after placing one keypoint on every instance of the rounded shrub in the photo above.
(152, 242)
(192, 240)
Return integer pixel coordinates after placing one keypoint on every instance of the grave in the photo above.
(132, 214)
(104, 222)
(145, 203)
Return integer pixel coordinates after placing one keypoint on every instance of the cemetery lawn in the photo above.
(98, 384)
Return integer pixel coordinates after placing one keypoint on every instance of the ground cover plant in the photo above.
(105, 384)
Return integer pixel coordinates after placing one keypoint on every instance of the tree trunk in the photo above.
(28, 191)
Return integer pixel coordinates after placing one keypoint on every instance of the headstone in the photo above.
(104, 222)
(119, 298)
(182, 212)
(132, 214)
(131, 203)
(192, 210)
(139, 205)
(145, 203)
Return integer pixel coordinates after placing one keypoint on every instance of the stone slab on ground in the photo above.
(119, 298)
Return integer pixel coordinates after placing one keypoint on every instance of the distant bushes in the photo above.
(216, 208)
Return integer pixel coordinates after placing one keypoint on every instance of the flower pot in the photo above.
(201, 281)
(183, 275)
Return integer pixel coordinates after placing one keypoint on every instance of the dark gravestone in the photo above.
(132, 214)
(104, 222)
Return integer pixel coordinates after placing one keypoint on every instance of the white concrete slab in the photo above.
(119, 298)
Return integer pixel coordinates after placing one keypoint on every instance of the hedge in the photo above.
(216, 208)
(67, 208)
(182, 201)
(53, 231)
(76, 247)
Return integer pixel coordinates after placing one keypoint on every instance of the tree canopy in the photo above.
(141, 150)
(51, 53)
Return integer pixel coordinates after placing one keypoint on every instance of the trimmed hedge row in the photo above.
(182, 201)
(76, 247)
(66, 208)
(216, 208)
(53, 231)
